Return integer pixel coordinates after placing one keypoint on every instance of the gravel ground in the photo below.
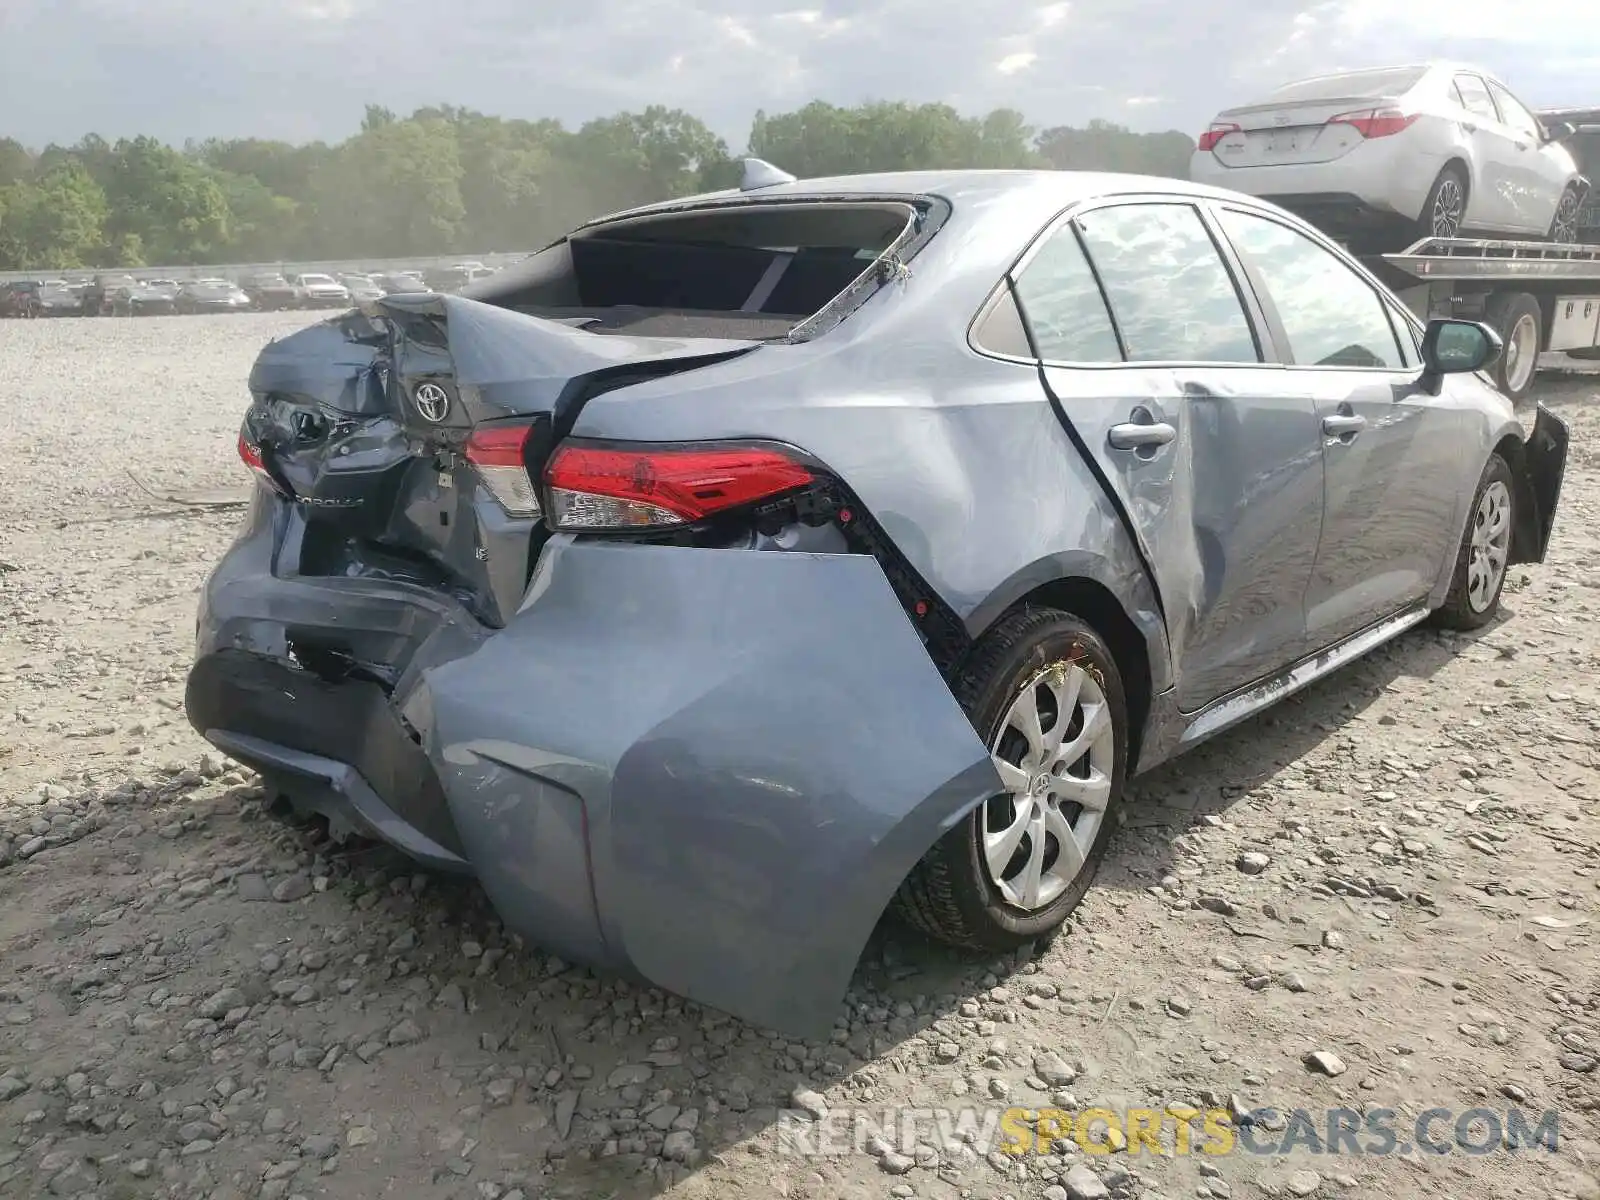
(1380, 896)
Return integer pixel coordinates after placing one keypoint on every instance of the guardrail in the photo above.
(235, 271)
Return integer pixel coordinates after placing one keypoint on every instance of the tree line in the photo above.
(447, 180)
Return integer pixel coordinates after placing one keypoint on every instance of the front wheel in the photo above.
(1564, 225)
(1480, 572)
(1044, 693)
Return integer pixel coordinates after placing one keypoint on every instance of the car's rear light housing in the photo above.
(250, 455)
(498, 455)
(1218, 131)
(1375, 122)
(595, 487)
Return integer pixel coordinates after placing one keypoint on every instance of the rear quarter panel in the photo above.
(958, 456)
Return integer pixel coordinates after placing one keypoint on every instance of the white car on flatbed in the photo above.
(1430, 150)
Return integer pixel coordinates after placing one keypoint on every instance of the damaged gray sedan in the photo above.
(740, 566)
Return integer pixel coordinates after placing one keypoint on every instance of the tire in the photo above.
(951, 894)
(1431, 221)
(1564, 225)
(1518, 319)
(1473, 602)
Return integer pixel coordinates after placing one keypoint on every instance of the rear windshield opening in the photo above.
(1353, 85)
(747, 271)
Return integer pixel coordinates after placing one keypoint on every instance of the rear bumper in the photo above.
(709, 769)
(1372, 180)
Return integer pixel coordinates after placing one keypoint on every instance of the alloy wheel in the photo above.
(1055, 752)
(1448, 206)
(1564, 229)
(1490, 545)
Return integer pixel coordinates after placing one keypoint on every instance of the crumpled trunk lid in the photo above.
(365, 424)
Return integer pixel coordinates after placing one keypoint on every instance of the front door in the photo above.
(1217, 465)
(1390, 451)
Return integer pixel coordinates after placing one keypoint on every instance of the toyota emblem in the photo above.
(433, 402)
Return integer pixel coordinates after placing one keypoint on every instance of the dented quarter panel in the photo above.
(757, 745)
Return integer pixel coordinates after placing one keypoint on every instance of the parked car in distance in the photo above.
(213, 296)
(146, 298)
(57, 298)
(270, 291)
(97, 296)
(362, 288)
(655, 640)
(454, 278)
(1400, 153)
(396, 282)
(19, 299)
(321, 291)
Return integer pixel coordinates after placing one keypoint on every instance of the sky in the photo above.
(306, 69)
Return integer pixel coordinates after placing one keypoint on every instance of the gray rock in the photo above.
(895, 1163)
(404, 1033)
(294, 887)
(1083, 1184)
(11, 1087)
(1325, 1062)
(1303, 1183)
(809, 1102)
(220, 1004)
(1054, 1069)
(1252, 862)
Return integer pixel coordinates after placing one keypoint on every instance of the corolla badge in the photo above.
(433, 402)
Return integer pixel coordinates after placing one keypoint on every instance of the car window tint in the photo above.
(1332, 316)
(1063, 305)
(1475, 97)
(1514, 114)
(1170, 293)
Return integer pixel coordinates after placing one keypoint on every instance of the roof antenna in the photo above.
(760, 174)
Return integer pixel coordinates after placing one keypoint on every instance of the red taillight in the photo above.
(496, 454)
(595, 487)
(1375, 122)
(1218, 131)
(250, 454)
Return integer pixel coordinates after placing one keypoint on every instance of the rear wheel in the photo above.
(1044, 692)
(1564, 225)
(1517, 318)
(1480, 573)
(1445, 210)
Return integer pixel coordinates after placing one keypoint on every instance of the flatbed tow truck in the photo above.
(1541, 297)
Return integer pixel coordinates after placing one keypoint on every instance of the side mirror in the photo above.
(1451, 347)
(1560, 131)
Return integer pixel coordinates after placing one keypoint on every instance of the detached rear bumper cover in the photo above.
(707, 768)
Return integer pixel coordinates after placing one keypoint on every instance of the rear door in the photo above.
(1392, 453)
(1492, 200)
(1151, 355)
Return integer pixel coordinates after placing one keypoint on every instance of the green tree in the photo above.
(173, 204)
(56, 222)
(394, 188)
(1103, 146)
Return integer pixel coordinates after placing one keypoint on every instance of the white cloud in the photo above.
(1020, 61)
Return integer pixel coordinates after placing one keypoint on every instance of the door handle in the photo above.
(1131, 436)
(1343, 425)
(1469, 127)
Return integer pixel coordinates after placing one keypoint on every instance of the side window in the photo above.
(1171, 295)
(1331, 315)
(1475, 97)
(1063, 306)
(1514, 114)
